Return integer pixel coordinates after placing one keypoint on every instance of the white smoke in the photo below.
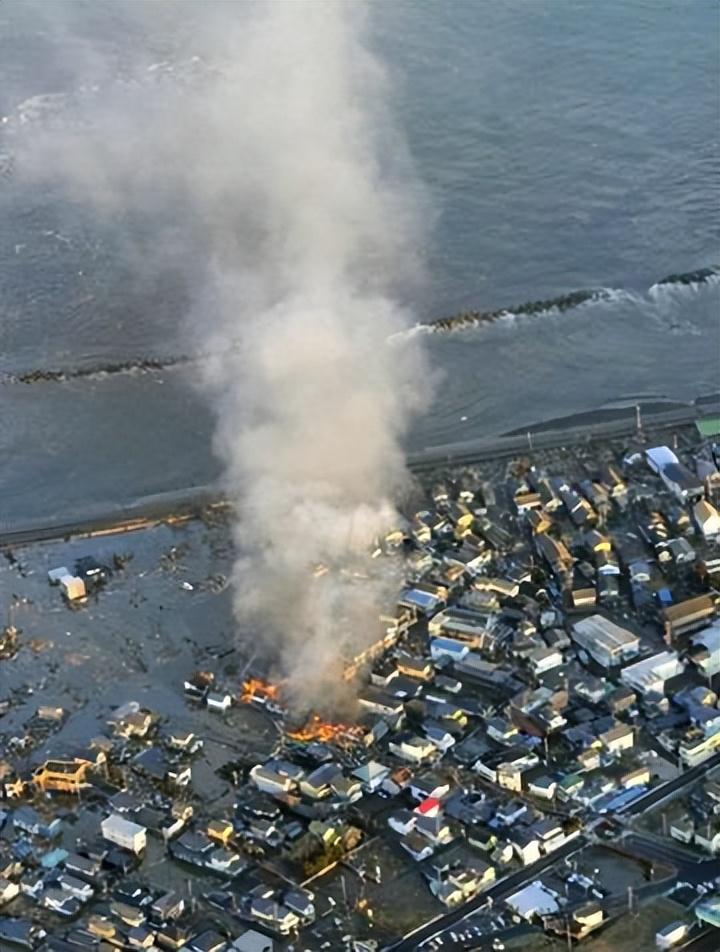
(282, 169)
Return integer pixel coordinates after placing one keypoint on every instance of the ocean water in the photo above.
(563, 145)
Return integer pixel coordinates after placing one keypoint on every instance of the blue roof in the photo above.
(415, 596)
(54, 858)
(21, 848)
(448, 644)
(623, 799)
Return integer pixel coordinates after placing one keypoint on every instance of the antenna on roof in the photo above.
(638, 422)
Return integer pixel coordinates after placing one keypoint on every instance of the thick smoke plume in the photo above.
(279, 174)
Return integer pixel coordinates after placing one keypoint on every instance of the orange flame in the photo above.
(261, 692)
(316, 729)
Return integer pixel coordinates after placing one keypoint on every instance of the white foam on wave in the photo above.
(42, 106)
(617, 296)
(47, 106)
(416, 330)
(659, 303)
(511, 318)
(677, 289)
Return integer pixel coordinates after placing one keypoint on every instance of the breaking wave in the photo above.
(666, 291)
(563, 302)
(45, 109)
(690, 280)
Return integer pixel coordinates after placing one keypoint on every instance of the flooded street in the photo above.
(138, 639)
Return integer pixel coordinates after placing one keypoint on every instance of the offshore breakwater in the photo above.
(566, 302)
(464, 319)
(563, 302)
(99, 370)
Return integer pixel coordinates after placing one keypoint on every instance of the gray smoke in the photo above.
(280, 176)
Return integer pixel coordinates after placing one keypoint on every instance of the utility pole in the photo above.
(529, 439)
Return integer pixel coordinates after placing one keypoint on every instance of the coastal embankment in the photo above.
(180, 505)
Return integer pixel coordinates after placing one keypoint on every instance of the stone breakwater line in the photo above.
(701, 276)
(98, 371)
(563, 302)
(566, 302)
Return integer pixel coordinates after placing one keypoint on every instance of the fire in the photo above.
(316, 729)
(255, 690)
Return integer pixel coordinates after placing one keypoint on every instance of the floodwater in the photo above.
(137, 639)
(563, 146)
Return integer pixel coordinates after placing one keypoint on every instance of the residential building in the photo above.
(671, 935)
(412, 748)
(687, 616)
(543, 786)
(707, 519)
(420, 668)
(378, 702)
(707, 836)
(606, 642)
(62, 776)
(618, 738)
(270, 781)
(697, 746)
(650, 675)
(371, 775)
(419, 847)
(124, 833)
(526, 844)
(274, 914)
(462, 624)
(705, 650)
(534, 900)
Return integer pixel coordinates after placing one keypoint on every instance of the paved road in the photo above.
(646, 848)
(14, 530)
(670, 788)
(579, 429)
(707, 941)
(504, 887)
(656, 849)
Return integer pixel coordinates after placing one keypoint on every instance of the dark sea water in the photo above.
(563, 144)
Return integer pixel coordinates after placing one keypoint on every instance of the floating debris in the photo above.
(8, 642)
